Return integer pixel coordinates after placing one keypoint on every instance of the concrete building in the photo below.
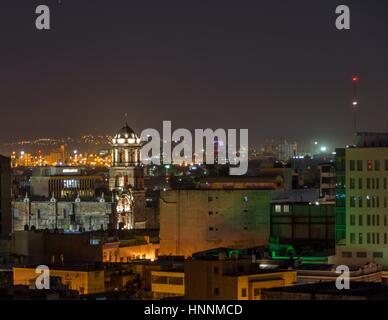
(232, 279)
(86, 279)
(39, 247)
(63, 182)
(5, 197)
(167, 283)
(197, 220)
(313, 273)
(73, 215)
(267, 178)
(361, 202)
(327, 181)
(328, 291)
(141, 248)
(46, 247)
(306, 226)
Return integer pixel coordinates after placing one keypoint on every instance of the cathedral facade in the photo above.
(76, 215)
(125, 208)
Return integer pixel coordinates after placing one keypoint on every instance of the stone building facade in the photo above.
(67, 215)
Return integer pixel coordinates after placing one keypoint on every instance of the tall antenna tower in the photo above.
(355, 101)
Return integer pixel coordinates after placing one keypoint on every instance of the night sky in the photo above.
(279, 68)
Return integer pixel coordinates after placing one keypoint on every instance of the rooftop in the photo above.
(357, 288)
(85, 267)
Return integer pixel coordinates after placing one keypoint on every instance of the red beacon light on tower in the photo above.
(355, 78)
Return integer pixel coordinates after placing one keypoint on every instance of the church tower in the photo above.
(126, 170)
(126, 178)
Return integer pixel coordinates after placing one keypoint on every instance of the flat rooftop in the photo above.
(357, 288)
(69, 267)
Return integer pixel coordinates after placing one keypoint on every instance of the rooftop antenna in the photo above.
(126, 118)
(355, 102)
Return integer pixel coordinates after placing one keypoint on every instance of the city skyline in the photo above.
(198, 65)
(192, 156)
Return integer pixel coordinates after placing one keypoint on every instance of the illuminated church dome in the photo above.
(125, 135)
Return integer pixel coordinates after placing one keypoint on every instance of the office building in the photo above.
(361, 201)
(307, 226)
(64, 182)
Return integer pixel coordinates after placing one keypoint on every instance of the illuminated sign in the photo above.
(70, 170)
(71, 184)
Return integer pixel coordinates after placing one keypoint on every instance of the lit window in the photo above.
(370, 165)
(286, 208)
(278, 208)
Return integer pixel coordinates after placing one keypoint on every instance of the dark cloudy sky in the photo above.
(278, 68)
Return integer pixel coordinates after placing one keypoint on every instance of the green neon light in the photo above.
(305, 258)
